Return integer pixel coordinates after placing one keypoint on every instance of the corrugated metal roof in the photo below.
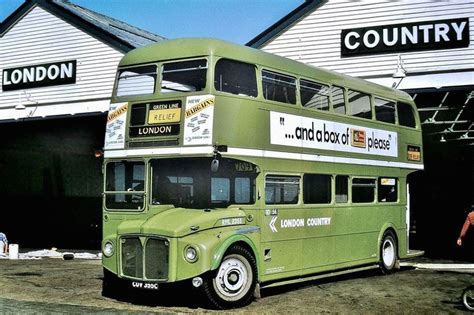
(126, 32)
(118, 34)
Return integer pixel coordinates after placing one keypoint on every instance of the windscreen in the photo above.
(125, 185)
(190, 183)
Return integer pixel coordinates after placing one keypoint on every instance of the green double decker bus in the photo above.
(231, 169)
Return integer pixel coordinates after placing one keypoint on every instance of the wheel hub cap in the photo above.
(232, 277)
(388, 253)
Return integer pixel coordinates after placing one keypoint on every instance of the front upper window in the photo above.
(184, 76)
(136, 81)
(125, 185)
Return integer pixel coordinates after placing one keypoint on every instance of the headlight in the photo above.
(108, 249)
(191, 254)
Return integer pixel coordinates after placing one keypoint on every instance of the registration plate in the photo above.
(145, 285)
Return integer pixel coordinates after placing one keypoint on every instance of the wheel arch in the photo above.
(233, 240)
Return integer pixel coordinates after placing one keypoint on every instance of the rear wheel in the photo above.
(468, 298)
(388, 253)
(233, 283)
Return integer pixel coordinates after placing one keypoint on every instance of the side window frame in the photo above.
(236, 62)
(374, 102)
(344, 99)
(273, 98)
(328, 88)
(347, 190)
(412, 112)
(388, 195)
(350, 105)
(372, 185)
(279, 178)
(306, 186)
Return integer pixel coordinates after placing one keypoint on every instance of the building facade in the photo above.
(57, 67)
(425, 48)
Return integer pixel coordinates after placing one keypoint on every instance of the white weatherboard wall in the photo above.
(316, 40)
(39, 38)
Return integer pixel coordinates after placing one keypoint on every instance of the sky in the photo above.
(237, 21)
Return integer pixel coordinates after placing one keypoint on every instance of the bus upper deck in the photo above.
(186, 93)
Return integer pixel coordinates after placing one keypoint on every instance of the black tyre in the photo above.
(388, 253)
(468, 298)
(109, 285)
(233, 283)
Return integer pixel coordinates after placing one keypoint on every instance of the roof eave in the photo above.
(284, 23)
(71, 18)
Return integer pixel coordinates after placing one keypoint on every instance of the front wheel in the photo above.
(468, 298)
(388, 253)
(233, 283)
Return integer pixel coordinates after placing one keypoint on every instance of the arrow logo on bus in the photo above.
(272, 224)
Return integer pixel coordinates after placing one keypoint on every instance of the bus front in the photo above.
(172, 205)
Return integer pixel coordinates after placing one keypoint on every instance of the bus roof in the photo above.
(194, 47)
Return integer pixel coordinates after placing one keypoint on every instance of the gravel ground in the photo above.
(53, 285)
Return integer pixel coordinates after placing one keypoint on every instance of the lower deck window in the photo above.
(282, 189)
(342, 188)
(387, 190)
(317, 188)
(363, 190)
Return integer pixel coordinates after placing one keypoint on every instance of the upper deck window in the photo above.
(338, 103)
(359, 105)
(384, 110)
(406, 116)
(136, 81)
(314, 95)
(235, 77)
(184, 76)
(279, 87)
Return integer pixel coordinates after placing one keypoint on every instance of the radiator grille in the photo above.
(149, 262)
(132, 258)
(156, 259)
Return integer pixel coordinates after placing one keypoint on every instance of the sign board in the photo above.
(426, 35)
(305, 132)
(41, 75)
(164, 119)
(115, 128)
(198, 120)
